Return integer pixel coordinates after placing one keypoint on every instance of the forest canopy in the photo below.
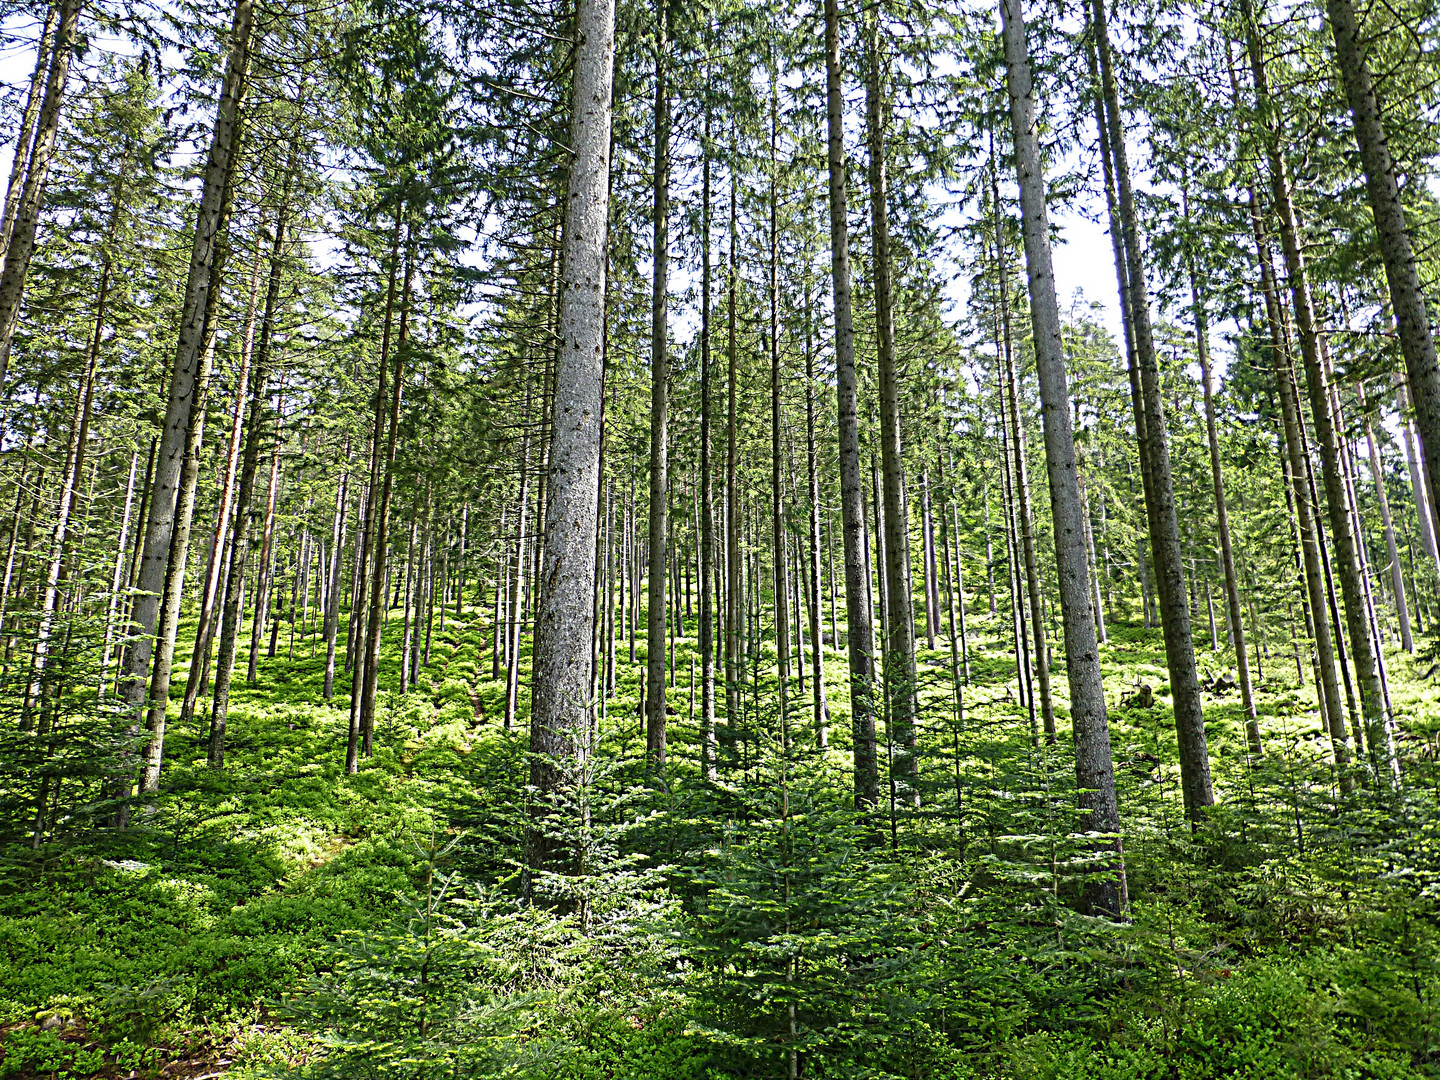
(588, 539)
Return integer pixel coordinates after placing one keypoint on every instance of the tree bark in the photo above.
(1402, 273)
(561, 701)
(1379, 736)
(240, 528)
(656, 609)
(900, 642)
(187, 383)
(860, 642)
(1093, 765)
(1164, 522)
(1222, 518)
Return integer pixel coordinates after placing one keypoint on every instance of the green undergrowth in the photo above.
(279, 917)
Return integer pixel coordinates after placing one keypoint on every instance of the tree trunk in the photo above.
(1164, 522)
(332, 587)
(1392, 549)
(205, 627)
(1020, 472)
(656, 610)
(264, 568)
(25, 137)
(1093, 766)
(187, 381)
(859, 630)
(780, 558)
(561, 703)
(370, 666)
(706, 628)
(1328, 690)
(1222, 519)
(1379, 736)
(1402, 273)
(900, 643)
(240, 528)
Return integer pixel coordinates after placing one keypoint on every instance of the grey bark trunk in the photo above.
(1378, 733)
(561, 700)
(900, 642)
(1093, 765)
(658, 578)
(1222, 520)
(163, 563)
(1402, 274)
(1164, 522)
(860, 642)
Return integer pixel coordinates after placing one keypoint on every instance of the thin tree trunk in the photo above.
(205, 628)
(859, 630)
(1020, 472)
(187, 387)
(264, 568)
(1402, 272)
(332, 588)
(656, 609)
(370, 667)
(1379, 735)
(1328, 690)
(1392, 549)
(706, 629)
(1164, 522)
(900, 641)
(780, 558)
(1222, 518)
(240, 527)
(1093, 766)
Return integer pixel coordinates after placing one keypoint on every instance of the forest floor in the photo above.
(1289, 940)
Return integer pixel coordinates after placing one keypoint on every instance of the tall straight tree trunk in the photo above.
(1419, 487)
(264, 569)
(240, 528)
(780, 558)
(1328, 690)
(187, 386)
(370, 544)
(734, 566)
(1020, 477)
(900, 642)
(859, 632)
(706, 628)
(1378, 733)
(332, 584)
(1094, 770)
(513, 614)
(117, 579)
(932, 582)
(1164, 522)
(812, 466)
(1222, 517)
(655, 620)
(561, 695)
(205, 627)
(1402, 272)
(375, 608)
(20, 226)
